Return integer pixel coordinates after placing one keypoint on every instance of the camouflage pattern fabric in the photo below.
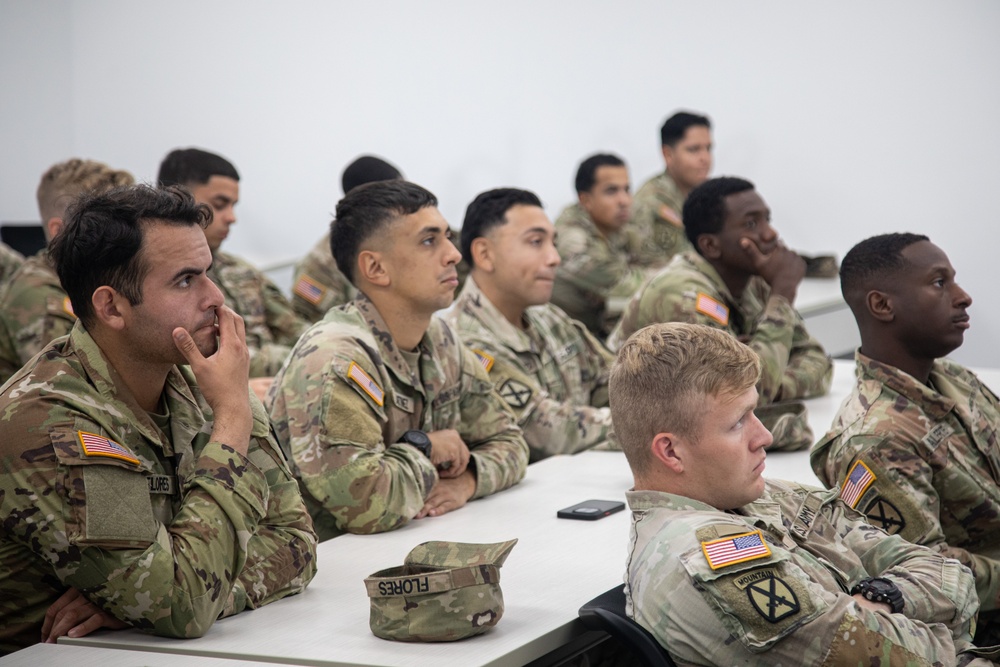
(318, 285)
(553, 374)
(10, 260)
(923, 461)
(765, 584)
(347, 395)
(144, 514)
(690, 290)
(657, 217)
(34, 310)
(594, 268)
(272, 326)
(444, 591)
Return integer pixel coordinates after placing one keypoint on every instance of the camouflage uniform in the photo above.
(10, 259)
(594, 268)
(271, 324)
(553, 374)
(151, 520)
(318, 285)
(347, 395)
(787, 604)
(933, 460)
(34, 310)
(656, 215)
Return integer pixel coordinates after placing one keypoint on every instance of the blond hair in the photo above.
(661, 377)
(65, 181)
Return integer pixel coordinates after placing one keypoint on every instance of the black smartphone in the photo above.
(591, 510)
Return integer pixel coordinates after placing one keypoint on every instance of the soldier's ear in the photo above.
(708, 246)
(52, 228)
(483, 255)
(668, 156)
(372, 268)
(879, 304)
(109, 305)
(667, 449)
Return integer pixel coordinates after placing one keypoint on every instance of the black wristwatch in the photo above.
(418, 440)
(878, 589)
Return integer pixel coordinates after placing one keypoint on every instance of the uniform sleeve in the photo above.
(663, 237)
(266, 359)
(771, 611)
(333, 431)
(286, 326)
(490, 430)
(317, 287)
(809, 370)
(589, 266)
(34, 318)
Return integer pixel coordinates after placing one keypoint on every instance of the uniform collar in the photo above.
(933, 403)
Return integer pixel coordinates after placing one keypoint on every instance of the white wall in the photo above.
(853, 117)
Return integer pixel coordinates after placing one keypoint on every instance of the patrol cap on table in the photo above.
(443, 591)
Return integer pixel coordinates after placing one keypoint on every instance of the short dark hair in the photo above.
(367, 169)
(705, 207)
(488, 210)
(367, 210)
(871, 262)
(101, 243)
(586, 174)
(675, 127)
(184, 166)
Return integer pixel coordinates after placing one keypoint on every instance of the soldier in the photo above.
(10, 261)
(317, 284)
(548, 368)
(686, 142)
(725, 567)
(272, 326)
(140, 485)
(385, 413)
(599, 252)
(741, 278)
(914, 447)
(34, 307)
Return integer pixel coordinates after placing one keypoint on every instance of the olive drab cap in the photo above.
(443, 591)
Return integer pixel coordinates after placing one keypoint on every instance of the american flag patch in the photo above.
(709, 306)
(309, 290)
(484, 359)
(68, 306)
(735, 549)
(857, 482)
(367, 384)
(96, 445)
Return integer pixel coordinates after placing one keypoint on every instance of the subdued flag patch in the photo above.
(366, 383)
(309, 290)
(735, 549)
(709, 306)
(97, 445)
(857, 482)
(484, 359)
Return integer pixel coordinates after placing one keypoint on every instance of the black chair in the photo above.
(25, 237)
(607, 612)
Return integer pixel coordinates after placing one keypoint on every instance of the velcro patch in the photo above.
(706, 305)
(936, 435)
(735, 549)
(402, 402)
(516, 394)
(96, 445)
(880, 512)
(772, 598)
(858, 480)
(162, 484)
(670, 216)
(310, 290)
(367, 384)
(484, 359)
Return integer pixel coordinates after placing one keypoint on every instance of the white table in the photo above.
(44, 655)
(557, 565)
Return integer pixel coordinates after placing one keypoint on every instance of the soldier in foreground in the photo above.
(915, 446)
(547, 367)
(34, 307)
(726, 568)
(385, 413)
(140, 484)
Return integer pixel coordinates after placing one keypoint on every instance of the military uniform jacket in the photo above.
(318, 285)
(793, 363)
(922, 461)
(347, 395)
(657, 209)
(10, 260)
(594, 268)
(553, 374)
(767, 584)
(34, 310)
(272, 326)
(149, 518)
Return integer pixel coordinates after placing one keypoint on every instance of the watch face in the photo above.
(418, 438)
